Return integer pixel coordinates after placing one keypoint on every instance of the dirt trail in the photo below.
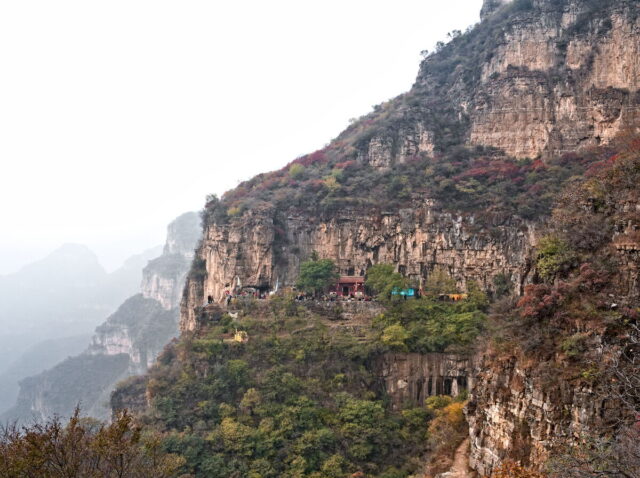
(460, 468)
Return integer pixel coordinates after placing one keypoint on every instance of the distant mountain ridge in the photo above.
(49, 307)
(126, 343)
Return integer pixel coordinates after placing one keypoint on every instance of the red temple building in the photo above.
(350, 286)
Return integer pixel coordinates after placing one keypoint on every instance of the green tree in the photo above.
(250, 400)
(502, 284)
(316, 275)
(477, 299)
(440, 282)
(382, 279)
(395, 337)
(554, 257)
(296, 171)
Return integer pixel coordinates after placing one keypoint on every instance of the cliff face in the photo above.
(263, 249)
(127, 343)
(140, 328)
(550, 87)
(516, 414)
(411, 378)
(560, 382)
(144, 324)
(163, 278)
(536, 77)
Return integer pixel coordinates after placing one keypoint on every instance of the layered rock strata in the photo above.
(411, 378)
(127, 343)
(537, 78)
(263, 249)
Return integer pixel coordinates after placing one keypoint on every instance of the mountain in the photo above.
(63, 294)
(33, 361)
(126, 343)
(503, 186)
(415, 182)
(60, 289)
(49, 308)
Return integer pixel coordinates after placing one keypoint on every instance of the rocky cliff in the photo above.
(534, 78)
(422, 183)
(559, 79)
(164, 277)
(146, 322)
(412, 378)
(263, 248)
(552, 375)
(127, 343)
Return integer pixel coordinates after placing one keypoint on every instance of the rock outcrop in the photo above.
(515, 414)
(140, 329)
(145, 323)
(411, 378)
(555, 85)
(163, 278)
(535, 78)
(263, 249)
(126, 344)
(490, 6)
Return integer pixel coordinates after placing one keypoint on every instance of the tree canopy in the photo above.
(84, 448)
(316, 275)
(382, 279)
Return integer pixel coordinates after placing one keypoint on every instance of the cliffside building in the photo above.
(350, 286)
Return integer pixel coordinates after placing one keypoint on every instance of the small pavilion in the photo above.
(350, 286)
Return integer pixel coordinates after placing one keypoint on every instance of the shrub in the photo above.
(382, 279)
(554, 257)
(316, 275)
(574, 345)
(440, 282)
(395, 337)
(84, 447)
(502, 285)
(296, 171)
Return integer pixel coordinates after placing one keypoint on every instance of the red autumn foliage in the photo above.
(591, 279)
(539, 301)
(314, 158)
(538, 164)
(346, 164)
(597, 168)
(493, 169)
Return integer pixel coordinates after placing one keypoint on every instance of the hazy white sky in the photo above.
(116, 116)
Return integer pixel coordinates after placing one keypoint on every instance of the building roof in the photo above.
(350, 279)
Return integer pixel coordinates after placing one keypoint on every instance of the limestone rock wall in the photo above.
(163, 278)
(411, 378)
(554, 85)
(264, 249)
(520, 411)
(140, 328)
(552, 78)
(126, 344)
(165, 286)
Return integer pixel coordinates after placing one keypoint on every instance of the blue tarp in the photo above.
(404, 292)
